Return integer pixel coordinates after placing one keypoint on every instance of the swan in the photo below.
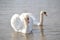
(23, 23)
(42, 13)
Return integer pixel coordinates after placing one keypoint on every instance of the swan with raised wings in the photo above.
(24, 22)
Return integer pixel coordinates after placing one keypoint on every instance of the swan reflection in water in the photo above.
(43, 37)
(21, 36)
(31, 36)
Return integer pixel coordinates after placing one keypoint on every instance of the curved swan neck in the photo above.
(41, 18)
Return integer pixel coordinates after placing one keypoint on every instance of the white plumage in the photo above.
(17, 22)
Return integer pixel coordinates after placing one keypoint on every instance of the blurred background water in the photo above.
(51, 28)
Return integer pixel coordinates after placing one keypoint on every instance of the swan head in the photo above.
(26, 18)
(43, 13)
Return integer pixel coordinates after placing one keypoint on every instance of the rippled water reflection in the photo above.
(37, 34)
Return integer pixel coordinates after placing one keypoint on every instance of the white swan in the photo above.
(24, 22)
(42, 13)
(20, 22)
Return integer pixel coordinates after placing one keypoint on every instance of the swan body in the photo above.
(27, 27)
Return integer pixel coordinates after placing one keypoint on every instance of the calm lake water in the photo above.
(49, 31)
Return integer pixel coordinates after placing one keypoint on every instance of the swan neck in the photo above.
(41, 19)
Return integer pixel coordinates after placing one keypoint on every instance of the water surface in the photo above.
(51, 27)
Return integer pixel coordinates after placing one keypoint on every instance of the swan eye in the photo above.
(27, 18)
(44, 12)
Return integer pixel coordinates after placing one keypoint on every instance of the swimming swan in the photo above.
(24, 22)
(42, 13)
